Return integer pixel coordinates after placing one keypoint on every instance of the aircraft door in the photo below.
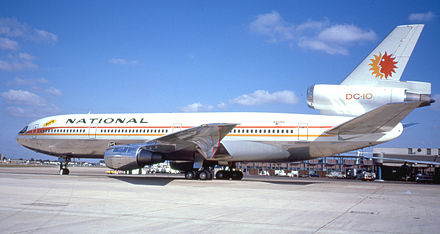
(303, 132)
(93, 129)
(176, 127)
(34, 131)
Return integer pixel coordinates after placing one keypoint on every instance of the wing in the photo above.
(204, 138)
(381, 119)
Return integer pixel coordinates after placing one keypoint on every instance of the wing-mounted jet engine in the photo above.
(127, 157)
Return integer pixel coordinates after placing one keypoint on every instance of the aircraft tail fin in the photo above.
(376, 80)
(388, 61)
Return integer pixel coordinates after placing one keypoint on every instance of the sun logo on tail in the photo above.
(383, 65)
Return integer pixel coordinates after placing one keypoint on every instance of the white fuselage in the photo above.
(257, 137)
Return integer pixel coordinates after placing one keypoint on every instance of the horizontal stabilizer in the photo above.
(381, 119)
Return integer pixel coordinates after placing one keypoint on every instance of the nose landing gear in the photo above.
(63, 166)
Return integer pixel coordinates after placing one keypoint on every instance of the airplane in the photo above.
(364, 110)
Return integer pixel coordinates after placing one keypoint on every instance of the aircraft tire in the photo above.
(236, 175)
(209, 172)
(220, 175)
(203, 175)
(64, 171)
(189, 175)
(227, 175)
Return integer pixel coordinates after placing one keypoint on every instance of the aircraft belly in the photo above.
(85, 148)
(288, 151)
(254, 151)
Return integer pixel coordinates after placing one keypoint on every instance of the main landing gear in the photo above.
(63, 166)
(229, 174)
(203, 174)
(207, 174)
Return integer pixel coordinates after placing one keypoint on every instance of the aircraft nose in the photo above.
(20, 140)
(20, 136)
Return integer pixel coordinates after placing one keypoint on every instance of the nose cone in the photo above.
(21, 136)
(19, 139)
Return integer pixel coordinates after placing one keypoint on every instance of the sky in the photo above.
(65, 57)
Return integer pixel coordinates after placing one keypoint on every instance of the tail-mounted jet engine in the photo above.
(356, 100)
(128, 157)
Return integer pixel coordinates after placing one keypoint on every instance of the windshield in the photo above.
(24, 130)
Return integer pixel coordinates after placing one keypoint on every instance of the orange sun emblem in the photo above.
(383, 65)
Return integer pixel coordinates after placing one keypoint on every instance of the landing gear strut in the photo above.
(63, 166)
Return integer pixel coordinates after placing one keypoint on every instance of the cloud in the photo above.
(313, 25)
(13, 28)
(436, 104)
(196, 107)
(346, 33)
(315, 35)
(20, 81)
(22, 103)
(123, 61)
(22, 97)
(261, 97)
(45, 35)
(54, 91)
(7, 44)
(273, 26)
(315, 44)
(32, 111)
(421, 17)
(21, 62)
(222, 105)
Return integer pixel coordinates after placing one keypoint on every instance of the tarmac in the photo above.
(38, 200)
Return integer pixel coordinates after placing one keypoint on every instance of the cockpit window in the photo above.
(24, 130)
